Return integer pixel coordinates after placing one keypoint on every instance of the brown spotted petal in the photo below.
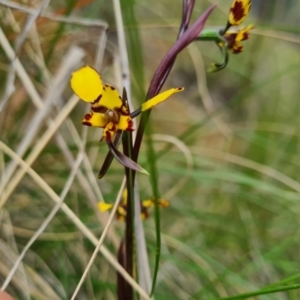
(239, 10)
(124, 123)
(109, 98)
(243, 34)
(95, 120)
(233, 39)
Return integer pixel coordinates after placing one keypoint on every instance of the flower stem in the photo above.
(129, 234)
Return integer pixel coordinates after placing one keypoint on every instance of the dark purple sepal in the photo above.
(109, 156)
(123, 159)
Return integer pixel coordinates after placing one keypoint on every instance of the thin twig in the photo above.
(55, 89)
(22, 73)
(87, 233)
(101, 240)
(9, 89)
(123, 50)
(74, 54)
(29, 23)
(39, 146)
(56, 18)
(47, 221)
(100, 49)
(91, 187)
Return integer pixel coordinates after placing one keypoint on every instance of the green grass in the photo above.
(232, 230)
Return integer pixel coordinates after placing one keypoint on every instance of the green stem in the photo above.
(283, 281)
(154, 183)
(210, 35)
(129, 234)
(262, 292)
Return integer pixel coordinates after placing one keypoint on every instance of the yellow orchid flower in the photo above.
(229, 40)
(109, 111)
(234, 37)
(121, 210)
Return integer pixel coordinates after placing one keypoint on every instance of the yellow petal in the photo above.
(109, 130)
(163, 202)
(121, 218)
(243, 34)
(237, 48)
(110, 98)
(94, 119)
(144, 216)
(104, 206)
(148, 203)
(160, 98)
(239, 10)
(124, 198)
(125, 123)
(87, 84)
(125, 195)
(121, 211)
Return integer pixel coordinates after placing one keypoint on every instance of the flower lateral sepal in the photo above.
(123, 159)
(109, 156)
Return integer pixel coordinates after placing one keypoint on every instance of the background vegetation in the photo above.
(231, 175)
